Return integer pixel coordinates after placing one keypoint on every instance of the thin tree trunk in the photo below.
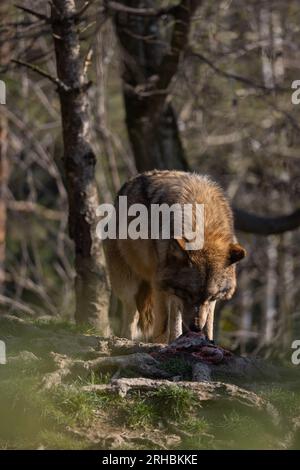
(286, 297)
(79, 165)
(102, 132)
(4, 165)
(4, 172)
(246, 310)
(265, 29)
(278, 45)
(271, 291)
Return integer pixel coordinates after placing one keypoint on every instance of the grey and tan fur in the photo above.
(163, 287)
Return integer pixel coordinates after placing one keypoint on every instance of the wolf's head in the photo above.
(199, 276)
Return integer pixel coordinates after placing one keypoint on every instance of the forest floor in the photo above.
(66, 388)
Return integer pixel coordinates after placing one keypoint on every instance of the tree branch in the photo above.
(38, 209)
(38, 15)
(239, 78)
(44, 74)
(84, 7)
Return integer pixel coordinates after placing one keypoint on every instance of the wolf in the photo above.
(164, 287)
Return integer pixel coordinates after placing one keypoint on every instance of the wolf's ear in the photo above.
(236, 253)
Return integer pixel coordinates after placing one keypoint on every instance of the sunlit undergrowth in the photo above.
(66, 417)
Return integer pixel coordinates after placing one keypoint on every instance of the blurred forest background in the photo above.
(227, 112)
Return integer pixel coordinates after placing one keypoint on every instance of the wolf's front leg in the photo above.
(160, 317)
(175, 320)
(199, 318)
(209, 325)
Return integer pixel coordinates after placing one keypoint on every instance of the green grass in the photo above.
(139, 413)
(288, 401)
(74, 405)
(29, 413)
(170, 403)
(173, 402)
(58, 324)
(94, 379)
(31, 417)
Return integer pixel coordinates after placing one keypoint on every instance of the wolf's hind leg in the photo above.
(129, 320)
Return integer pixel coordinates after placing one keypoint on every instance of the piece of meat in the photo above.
(197, 345)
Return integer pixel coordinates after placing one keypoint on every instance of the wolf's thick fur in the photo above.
(161, 283)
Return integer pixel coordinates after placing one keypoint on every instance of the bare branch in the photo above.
(84, 7)
(233, 76)
(38, 209)
(16, 304)
(34, 13)
(44, 74)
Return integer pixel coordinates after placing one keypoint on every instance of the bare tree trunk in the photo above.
(150, 117)
(79, 165)
(271, 291)
(4, 172)
(4, 166)
(246, 310)
(286, 297)
(265, 29)
(271, 35)
(101, 47)
(278, 44)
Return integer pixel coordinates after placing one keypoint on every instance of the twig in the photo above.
(34, 13)
(38, 209)
(16, 304)
(44, 74)
(84, 7)
(233, 76)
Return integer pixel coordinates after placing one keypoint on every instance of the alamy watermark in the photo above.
(296, 354)
(296, 94)
(2, 352)
(159, 221)
(2, 92)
